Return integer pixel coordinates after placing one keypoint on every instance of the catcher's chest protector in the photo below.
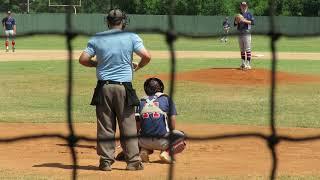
(153, 119)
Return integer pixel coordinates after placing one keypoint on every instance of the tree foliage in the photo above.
(162, 7)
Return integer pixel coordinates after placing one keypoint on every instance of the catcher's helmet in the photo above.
(152, 86)
(116, 16)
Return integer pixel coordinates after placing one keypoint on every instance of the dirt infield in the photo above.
(201, 160)
(239, 77)
(39, 55)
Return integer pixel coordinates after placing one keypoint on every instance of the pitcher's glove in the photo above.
(238, 18)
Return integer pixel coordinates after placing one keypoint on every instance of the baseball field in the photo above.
(212, 96)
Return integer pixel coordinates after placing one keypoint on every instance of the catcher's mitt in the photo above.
(238, 18)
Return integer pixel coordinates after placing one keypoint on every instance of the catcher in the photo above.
(152, 118)
(244, 21)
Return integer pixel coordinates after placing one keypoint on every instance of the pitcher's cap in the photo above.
(243, 3)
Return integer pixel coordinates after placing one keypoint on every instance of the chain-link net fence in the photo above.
(270, 28)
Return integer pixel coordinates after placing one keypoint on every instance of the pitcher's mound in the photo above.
(240, 77)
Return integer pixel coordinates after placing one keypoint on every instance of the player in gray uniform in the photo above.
(10, 29)
(244, 28)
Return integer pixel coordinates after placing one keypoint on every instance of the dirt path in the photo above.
(201, 160)
(38, 55)
(233, 76)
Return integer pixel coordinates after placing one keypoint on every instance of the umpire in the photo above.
(114, 96)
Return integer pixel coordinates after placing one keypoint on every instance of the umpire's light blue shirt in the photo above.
(114, 54)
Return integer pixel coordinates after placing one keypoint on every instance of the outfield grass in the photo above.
(157, 42)
(35, 92)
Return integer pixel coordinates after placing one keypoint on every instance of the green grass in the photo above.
(14, 175)
(35, 92)
(157, 42)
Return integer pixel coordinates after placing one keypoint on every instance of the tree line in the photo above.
(162, 7)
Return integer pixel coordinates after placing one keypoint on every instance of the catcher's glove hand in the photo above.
(238, 18)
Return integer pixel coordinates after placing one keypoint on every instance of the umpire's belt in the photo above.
(103, 82)
(131, 96)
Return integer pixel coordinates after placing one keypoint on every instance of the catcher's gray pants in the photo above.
(158, 143)
(245, 42)
(114, 107)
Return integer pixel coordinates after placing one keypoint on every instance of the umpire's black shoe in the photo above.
(135, 166)
(105, 167)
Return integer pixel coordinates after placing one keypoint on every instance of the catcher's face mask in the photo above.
(152, 86)
(116, 17)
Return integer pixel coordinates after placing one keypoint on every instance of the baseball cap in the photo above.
(243, 3)
(115, 13)
(115, 16)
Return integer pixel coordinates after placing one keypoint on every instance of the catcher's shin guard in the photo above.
(177, 147)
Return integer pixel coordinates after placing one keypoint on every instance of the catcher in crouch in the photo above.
(152, 124)
(152, 120)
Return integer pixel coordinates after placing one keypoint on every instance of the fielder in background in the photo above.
(114, 97)
(226, 28)
(244, 21)
(10, 29)
(152, 117)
